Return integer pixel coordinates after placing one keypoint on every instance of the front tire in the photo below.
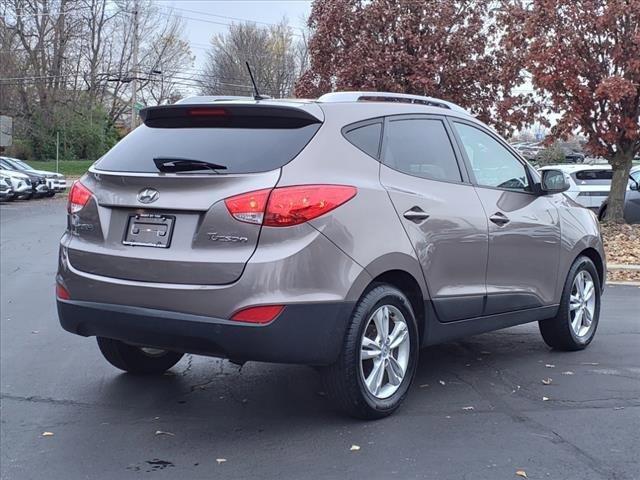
(378, 361)
(575, 325)
(137, 360)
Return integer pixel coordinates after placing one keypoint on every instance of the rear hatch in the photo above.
(156, 211)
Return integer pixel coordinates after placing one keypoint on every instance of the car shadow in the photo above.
(209, 388)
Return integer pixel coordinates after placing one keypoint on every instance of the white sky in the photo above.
(207, 17)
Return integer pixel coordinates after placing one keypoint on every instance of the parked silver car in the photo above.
(344, 232)
(631, 209)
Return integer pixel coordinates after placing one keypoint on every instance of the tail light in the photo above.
(207, 112)
(62, 293)
(248, 207)
(287, 206)
(260, 314)
(78, 197)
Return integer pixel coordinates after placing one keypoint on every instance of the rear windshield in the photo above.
(240, 150)
(594, 177)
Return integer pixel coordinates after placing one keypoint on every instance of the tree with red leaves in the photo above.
(441, 48)
(584, 59)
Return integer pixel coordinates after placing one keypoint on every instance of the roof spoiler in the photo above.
(226, 115)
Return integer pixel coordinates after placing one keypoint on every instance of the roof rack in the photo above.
(388, 97)
(214, 98)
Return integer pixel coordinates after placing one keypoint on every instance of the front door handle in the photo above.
(415, 214)
(499, 218)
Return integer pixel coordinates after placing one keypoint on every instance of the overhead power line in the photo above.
(239, 19)
(213, 22)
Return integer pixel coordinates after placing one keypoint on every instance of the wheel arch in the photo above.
(408, 285)
(401, 271)
(597, 260)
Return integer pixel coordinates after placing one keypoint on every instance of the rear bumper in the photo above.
(310, 333)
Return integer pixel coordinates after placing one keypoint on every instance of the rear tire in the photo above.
(388, 360)
(576, 322)
(137, 360)
(602, 213)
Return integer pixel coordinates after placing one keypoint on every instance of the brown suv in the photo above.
(344, 232)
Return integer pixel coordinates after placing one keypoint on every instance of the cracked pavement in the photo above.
(271, 421)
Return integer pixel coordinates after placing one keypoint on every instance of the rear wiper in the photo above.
(173, 165)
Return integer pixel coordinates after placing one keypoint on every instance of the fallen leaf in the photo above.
(550, 365)
(355, 448)
(442, 382)
(35, 331)
(521, 473)
(221, 460)
(544, 399)
(160, 432)
(547, 381)
(468, 408)
(568, 372)
(47, 434)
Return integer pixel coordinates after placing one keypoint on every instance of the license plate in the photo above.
(149, 230)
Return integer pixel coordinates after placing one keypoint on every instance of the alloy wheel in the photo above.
(582, 303)
(384, 351)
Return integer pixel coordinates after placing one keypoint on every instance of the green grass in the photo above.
(69, 168)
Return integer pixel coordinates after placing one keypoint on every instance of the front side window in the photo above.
(420, 147)
(492, 164)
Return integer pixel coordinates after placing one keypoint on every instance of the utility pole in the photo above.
(134, 73)
(57, 151)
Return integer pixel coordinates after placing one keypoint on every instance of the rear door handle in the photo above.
(499, 218)
(415, 214)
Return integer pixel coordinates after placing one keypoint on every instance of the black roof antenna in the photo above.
(256, 95)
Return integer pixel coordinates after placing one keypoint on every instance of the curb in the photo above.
(622, 282)
(619, 266)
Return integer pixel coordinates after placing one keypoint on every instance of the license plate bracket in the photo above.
(149, 230)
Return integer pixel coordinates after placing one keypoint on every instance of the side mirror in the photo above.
(554, 181)
(634, 186)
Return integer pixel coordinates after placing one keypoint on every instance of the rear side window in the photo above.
(242, 139)
(366, 138)
(422, 148)
(593, 177)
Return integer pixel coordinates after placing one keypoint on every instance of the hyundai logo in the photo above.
(148, 195)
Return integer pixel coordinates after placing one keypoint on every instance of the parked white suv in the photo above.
(56, 182)
(589, 184)
(20, 183)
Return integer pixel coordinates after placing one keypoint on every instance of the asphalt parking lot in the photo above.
(477, 409)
